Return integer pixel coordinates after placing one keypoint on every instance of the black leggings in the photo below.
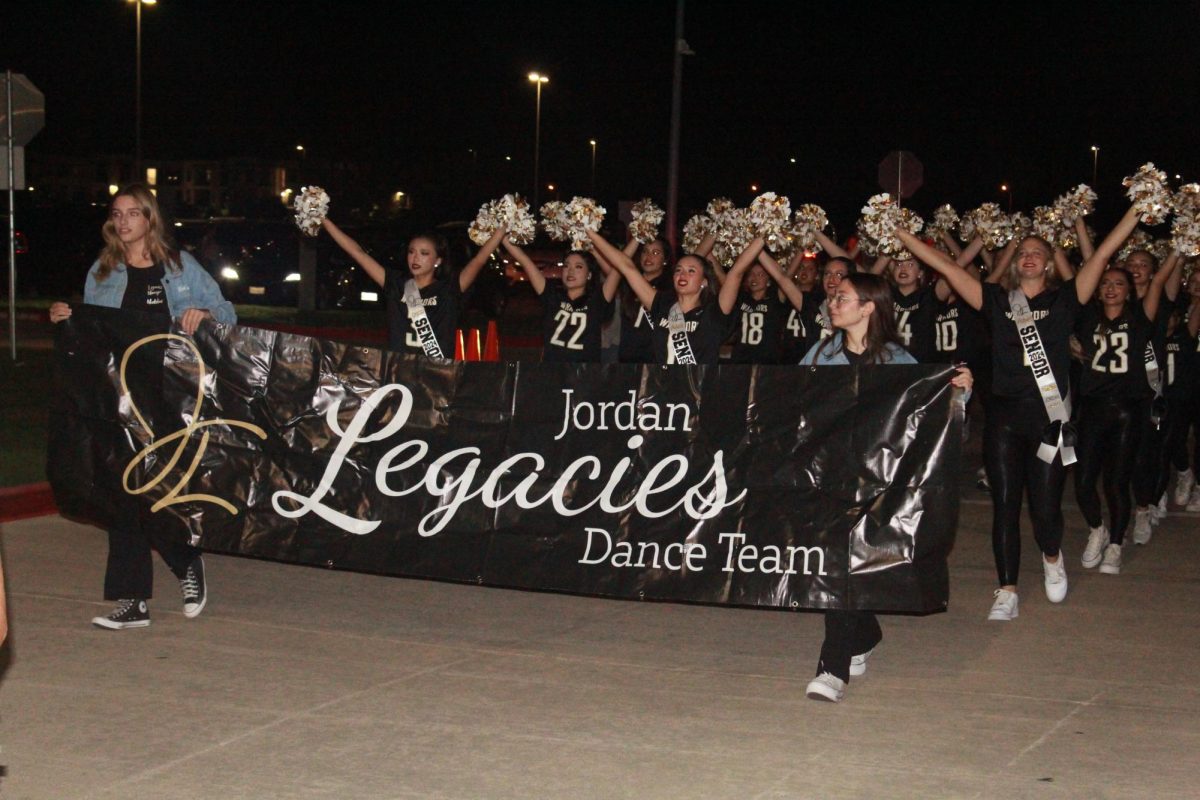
(130, 571)
(1175, 436)
(1109, 430)
(1146, 464)
(1010, 443)
(847, 634)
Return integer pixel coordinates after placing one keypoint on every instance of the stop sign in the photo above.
(901, 173)
(29, 109)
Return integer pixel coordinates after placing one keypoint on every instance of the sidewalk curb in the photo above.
(28, 500)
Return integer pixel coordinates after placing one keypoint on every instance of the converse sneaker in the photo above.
(1194, 500)
(1098, 539)
(981, 481)
(1112, 560)
(826, 687)
(1056, 578)
(1004, 609)
(127, 614)
(858, 664)
(195, 593)
(1184, 482)
(1141, 527)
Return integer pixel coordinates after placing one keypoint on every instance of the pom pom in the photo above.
(1185, 228)
(646, 219)
(1138, 240)
(697, 229)
(990, 224)
(584, 214)
(311, 206)
(768, 216)
(1046, 224)
(733, 233)
(1022, 225)
(555, 221)
(809, 219)
(1079, 202)
(1149, 192)
(1188, 198)
(945, 220)
(511, 211)
(881, 217)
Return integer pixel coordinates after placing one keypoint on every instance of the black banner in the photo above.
(781, 486)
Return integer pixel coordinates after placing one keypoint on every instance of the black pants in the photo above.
(1109, 431)
(1147, 463)
(847, 633)
(130, 572)
(1175, 437)
(1010, 442)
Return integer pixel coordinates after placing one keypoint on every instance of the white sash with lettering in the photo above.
(677, 337)
(1058, 408)
(419, 320)
(1154, 378)
(823, 319)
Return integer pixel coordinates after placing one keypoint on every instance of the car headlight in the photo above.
(229, 273)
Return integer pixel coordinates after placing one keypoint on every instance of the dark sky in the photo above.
(982, 93)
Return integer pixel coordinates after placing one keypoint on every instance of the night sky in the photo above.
(982, 94)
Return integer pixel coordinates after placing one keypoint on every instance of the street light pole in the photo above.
(1095, 163)
(1004, 187)
(137, 149)
(537, 80)
(592, 142)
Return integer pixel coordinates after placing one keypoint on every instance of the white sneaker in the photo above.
(1141, 528)
(1194, 501)
(858, 664)
(1098, 539)
(1159, 512)
(826, 687)
(1056, 578)
(1004, 609)
(1184, 483)
(1112, 560)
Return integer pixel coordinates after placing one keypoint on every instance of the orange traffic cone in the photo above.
(491, 343)
(473, 344)
(458, 346)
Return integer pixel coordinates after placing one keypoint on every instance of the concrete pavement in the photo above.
(303, 683)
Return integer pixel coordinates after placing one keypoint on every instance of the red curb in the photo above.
(23, 502)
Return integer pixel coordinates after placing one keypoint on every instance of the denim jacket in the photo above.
(188, 287)
(832, 355)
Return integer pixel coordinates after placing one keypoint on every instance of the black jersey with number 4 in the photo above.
(801, 329)
(144, 290)
(914, 321)
(442, 301)
(757, 341)
(706, 327)
(1054, 313)
(1115, 353)
(571, 328)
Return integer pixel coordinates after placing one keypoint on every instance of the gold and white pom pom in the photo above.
(697, 229)
(646, 218)
(1150, 194)
(555, 222)
(584, 214)
(769, 215)
(311, 207)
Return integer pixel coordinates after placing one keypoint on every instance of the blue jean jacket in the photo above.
(188, 287)
(832, 355)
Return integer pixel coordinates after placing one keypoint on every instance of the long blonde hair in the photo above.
(158, 241)
(1011, 278)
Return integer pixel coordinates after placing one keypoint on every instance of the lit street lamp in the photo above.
(1095, 163)
(592, 142)
(137, 151)
(537, 80)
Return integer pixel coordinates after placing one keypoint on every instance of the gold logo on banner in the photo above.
(181, 436)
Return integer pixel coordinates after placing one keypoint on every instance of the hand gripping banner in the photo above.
(772, 486)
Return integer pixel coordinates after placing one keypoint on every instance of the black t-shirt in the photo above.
(706, 327)
(758, 340)
(1054, 312)
(637, 343)
(958, 333)
(801, 329)
(571, 328)
(914, 321)
(1182, 360)
(144, 290)
(442, 301)
(1115, 361)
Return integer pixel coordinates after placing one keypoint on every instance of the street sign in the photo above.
(901, 173)
(29, 109)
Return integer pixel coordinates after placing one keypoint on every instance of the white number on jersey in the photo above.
(1117, 345)
(574, 319)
